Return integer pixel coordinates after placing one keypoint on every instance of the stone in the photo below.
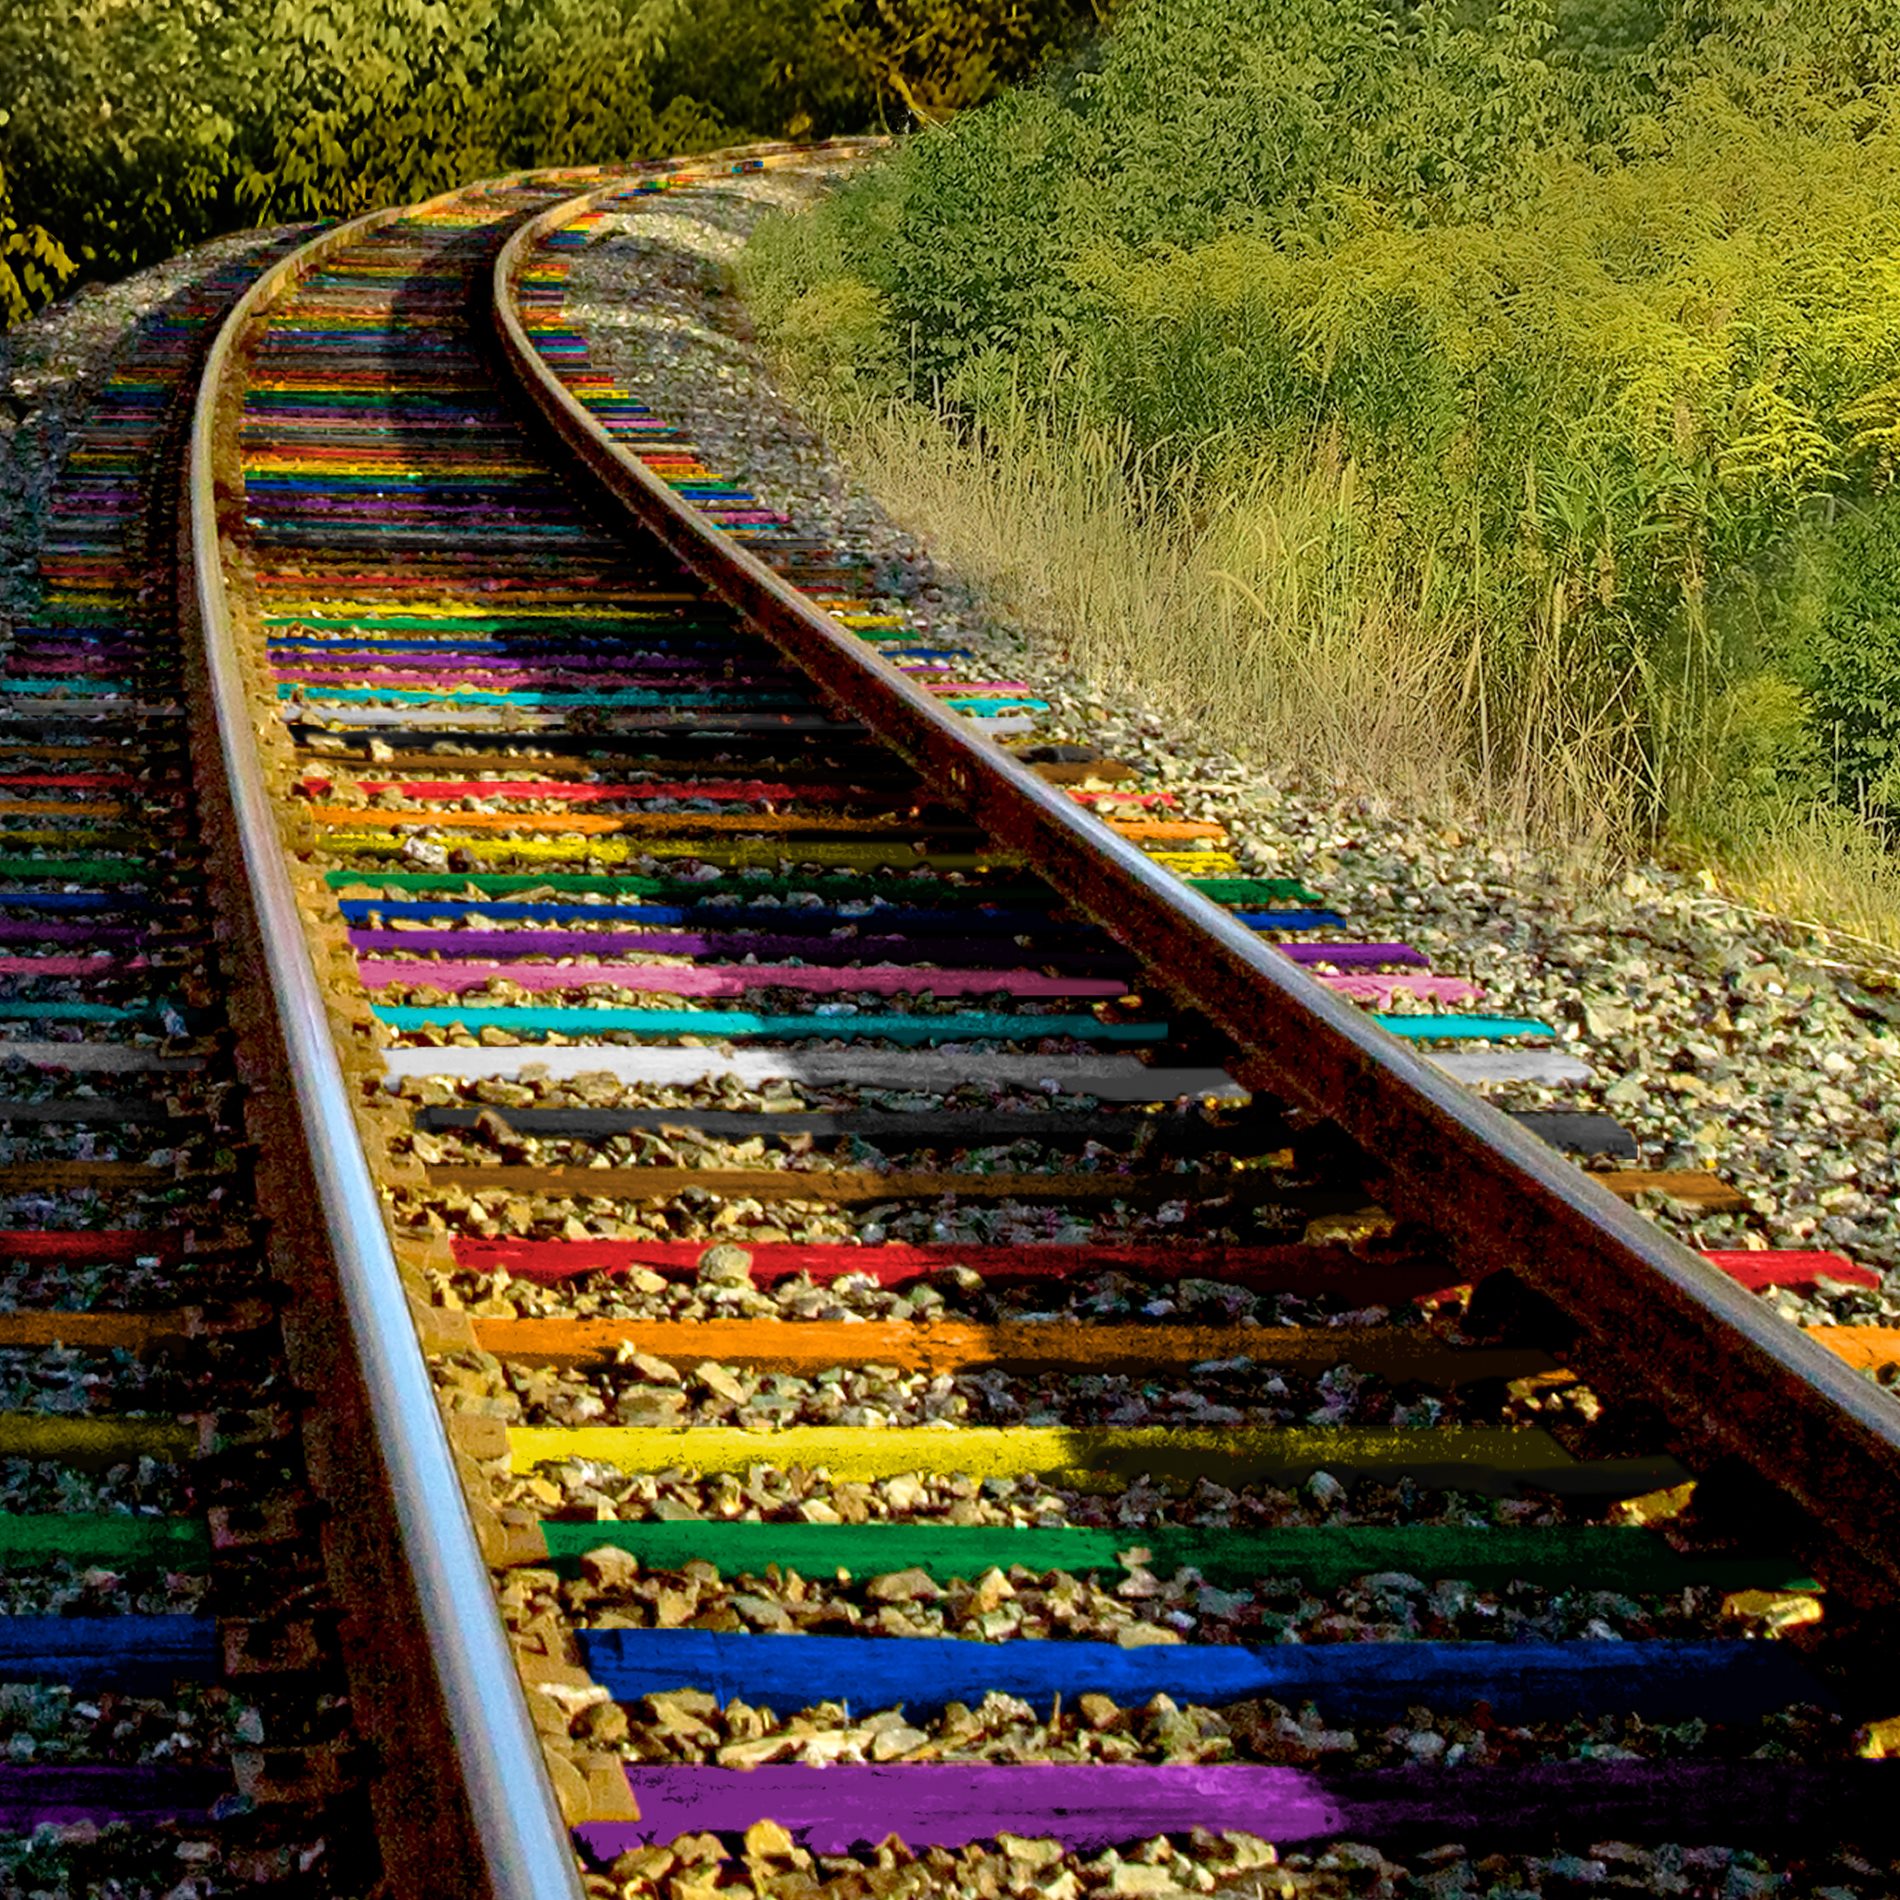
(1134, 1877)
(603, 1724)
(650, 1406)
(766, 1840)
(725, 1265)
(719, 1381)
(643, 1863)
(1249, 1850)
(1654, 1507)
(903, 1586)
(1772, 1609)
(670, 1705)
(1031, 1855)
(992, 1590)
(608, 1567)
(654, 1370)
(762, 1612)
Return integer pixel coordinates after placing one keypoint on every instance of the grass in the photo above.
(1821, 869)
(1266, 611)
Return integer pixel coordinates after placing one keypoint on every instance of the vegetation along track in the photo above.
(871, 1201)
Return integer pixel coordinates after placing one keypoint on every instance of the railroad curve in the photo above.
(842, 1240)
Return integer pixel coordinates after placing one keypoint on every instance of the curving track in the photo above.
(868, 1205)
(171, 1693)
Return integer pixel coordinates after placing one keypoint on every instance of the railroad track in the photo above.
(171, 1703)
(926, 1320)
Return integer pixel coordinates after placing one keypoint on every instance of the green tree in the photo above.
(135, 127)
(123, 121)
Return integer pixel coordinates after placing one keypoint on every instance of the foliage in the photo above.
(1840, 649)
(119, 129)
(805, 68)
(1600, 302)
(134, 127)
(32, 265)
(138, 126)
(941, 56)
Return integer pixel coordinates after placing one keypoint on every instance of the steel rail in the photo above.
(508, 1839)
(1728, 1372)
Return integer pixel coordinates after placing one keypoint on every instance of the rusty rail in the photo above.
(462, 1798)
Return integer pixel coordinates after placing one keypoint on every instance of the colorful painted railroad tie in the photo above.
(904, 1383)
(161, 1660)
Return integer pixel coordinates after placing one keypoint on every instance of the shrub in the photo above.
(1840, 645)
(32, 266)
(1599, 304)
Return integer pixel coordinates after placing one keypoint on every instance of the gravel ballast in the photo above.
(186, 1184)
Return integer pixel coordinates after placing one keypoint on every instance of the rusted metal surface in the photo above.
(1729, 1373)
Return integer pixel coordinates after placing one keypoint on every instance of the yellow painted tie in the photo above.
(1079, 1457)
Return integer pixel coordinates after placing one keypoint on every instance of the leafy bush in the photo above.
(1599, 304)
(1839, 647)
(32, 266)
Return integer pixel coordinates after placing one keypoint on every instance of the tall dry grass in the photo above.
(1819, 867)
(1268, 608)
(1275, 619)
